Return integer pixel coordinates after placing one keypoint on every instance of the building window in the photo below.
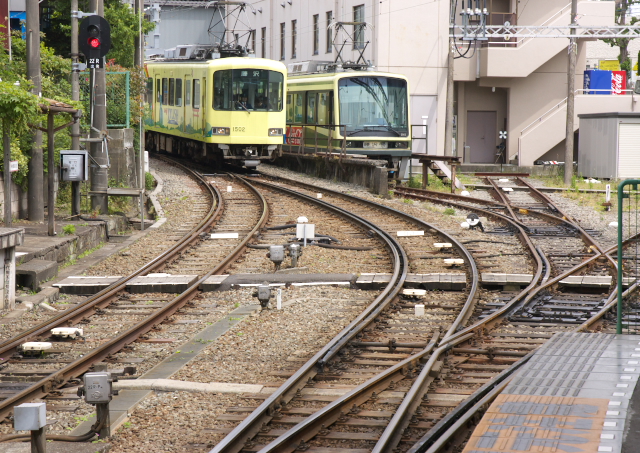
(329, 20)
(316, 33)
(263, 42)
(358, 30)
(282, 29)
(294, 33)
(253, 41)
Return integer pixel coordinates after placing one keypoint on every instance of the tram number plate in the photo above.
(238, 128)
(375, 144)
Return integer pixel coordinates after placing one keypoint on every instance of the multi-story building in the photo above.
(517, 85)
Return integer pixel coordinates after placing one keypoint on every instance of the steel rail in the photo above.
(250, 426)
(83, 364)
(108, 295)
(462, 250)
(313, 424)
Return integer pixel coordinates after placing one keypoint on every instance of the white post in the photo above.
(279, 300)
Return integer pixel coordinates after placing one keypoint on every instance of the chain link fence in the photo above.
(118, 89)
(628, 257)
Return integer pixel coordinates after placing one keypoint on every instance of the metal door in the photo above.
(481, 137)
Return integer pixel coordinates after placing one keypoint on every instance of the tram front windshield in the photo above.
(248, 89)
(374, 106)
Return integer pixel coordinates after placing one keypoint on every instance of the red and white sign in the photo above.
(294, 135)
(618, 82)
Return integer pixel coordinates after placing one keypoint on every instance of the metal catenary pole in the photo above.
(571, 82)
(99, 172)
(36, 163)
(448, 133)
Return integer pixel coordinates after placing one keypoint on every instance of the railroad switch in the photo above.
(263, 293)
(474, 222)
(98, 390)
(276, 254)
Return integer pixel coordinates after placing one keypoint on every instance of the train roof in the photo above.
(333, 76)
(222, 63)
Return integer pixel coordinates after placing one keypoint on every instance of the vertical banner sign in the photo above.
(608, 193)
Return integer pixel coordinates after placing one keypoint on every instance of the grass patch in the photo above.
(68, 229)
(449, 211)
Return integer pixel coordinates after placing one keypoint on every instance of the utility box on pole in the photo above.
(74, 165)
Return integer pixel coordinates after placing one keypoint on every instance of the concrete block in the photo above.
(445, 282)
(522, 279)
(458, 282)
(489, 278)
(365, 281)
(162, 283)
(572, 280)
(34, 272)
(84, 285)
(597, 281)
(381, 280)
(413, 281)
(212, 283)
(431, 281)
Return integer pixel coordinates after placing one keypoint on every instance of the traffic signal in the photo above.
(94, 40)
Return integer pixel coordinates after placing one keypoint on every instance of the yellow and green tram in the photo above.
(229, 109)
(360, 112)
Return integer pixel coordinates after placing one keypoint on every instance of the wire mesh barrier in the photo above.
(118, 89)
(628, 316)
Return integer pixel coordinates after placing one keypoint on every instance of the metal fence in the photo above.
(118, 98)
(628, 313)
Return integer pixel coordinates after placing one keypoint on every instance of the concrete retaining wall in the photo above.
(365, 172)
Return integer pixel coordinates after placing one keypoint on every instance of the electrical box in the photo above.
(74, 165)
(97, 387)
(30, 416)
(276, 253)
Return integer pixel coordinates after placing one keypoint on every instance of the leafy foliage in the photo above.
(622, 17)
(124, 28)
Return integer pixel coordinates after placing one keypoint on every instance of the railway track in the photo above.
(78, 357)
(467, 366)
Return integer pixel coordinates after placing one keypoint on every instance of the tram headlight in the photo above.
(275, 131)
(220, 130)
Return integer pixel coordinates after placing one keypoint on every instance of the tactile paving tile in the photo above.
(566, 398)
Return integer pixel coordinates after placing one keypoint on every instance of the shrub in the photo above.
(69, 229)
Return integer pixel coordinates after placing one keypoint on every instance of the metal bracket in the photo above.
(78, 67)
(80, 14)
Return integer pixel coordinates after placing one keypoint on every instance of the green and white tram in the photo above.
(360, 112)
(229, 109)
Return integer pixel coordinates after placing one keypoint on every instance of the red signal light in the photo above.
(94, 42)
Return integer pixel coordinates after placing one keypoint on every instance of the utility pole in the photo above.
(75, 95)
(448, 127)
(99, 172)
(139, 61)
(36, 163)
(571, 82)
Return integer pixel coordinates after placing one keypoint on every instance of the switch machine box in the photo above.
(74, 165)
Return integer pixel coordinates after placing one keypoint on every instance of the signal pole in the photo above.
(75, 95)
(99, 171)
(571, 82)
(448, 125)
(36, 163)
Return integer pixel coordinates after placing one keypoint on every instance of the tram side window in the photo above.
(196, 94)
(311, 108)
(223, 98)
(187, 92)
(178, 92)
(149, 93)
(172, 91)
(158, 92)
(324, 108)
(298, 107)
(290, 108)
(165, 91)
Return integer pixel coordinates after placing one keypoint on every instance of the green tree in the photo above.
(624, 18)
(124, 28)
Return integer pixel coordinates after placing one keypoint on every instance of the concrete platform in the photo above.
(578, 393)
(32, 273)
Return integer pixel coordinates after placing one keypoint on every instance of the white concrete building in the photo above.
(518, 85)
